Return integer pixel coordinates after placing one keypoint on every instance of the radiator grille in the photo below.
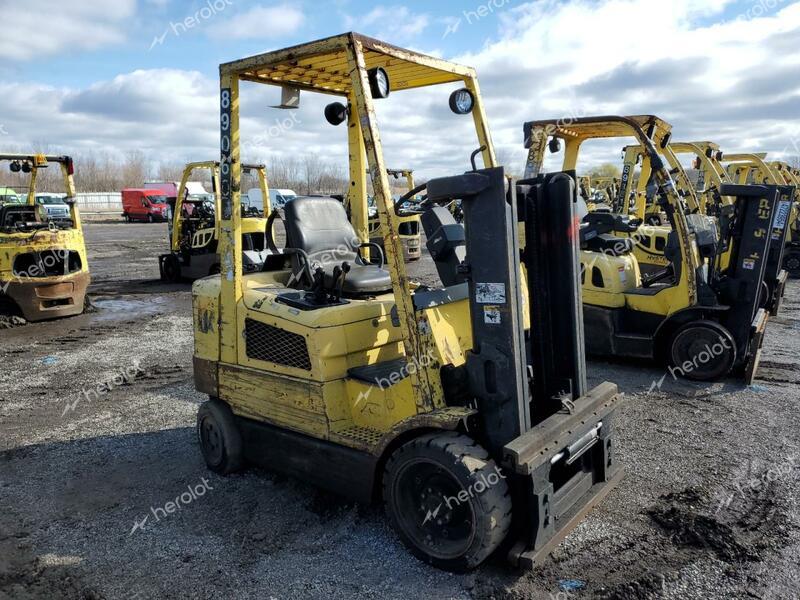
(275, 345)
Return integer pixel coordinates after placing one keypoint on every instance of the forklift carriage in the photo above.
(462, 407)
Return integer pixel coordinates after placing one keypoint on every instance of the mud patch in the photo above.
(679, 515)
(11, 321)
(778, 372)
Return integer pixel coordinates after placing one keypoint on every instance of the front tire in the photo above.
(219, 437)
(447, 500)
(702, 351)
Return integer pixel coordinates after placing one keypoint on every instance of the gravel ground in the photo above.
(97, 416)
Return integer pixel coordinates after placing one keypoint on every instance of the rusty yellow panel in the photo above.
(381, 407)
(205, 311)
(279, 400)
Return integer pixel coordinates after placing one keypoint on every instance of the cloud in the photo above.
(261, 21)
(392, 23)
(40, 28)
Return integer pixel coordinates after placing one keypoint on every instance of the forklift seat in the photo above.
(320, 228)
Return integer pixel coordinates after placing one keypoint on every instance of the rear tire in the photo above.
(447, 500)
(792, 263)
(219, 437)
(708, 346)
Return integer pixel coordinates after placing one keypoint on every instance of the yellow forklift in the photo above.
(44, 273)
(463, 407)
(706, 159)
(194, 227)
(623, 218)
(408, 226)
(704, 328)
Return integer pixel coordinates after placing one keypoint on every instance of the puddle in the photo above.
(107, 309)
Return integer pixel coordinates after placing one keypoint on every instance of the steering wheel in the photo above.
(407, 197)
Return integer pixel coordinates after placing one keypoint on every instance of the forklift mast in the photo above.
(531, 388)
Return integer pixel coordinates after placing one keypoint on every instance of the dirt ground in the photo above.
(97, 420)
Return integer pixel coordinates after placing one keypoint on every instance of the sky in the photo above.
(142, 75)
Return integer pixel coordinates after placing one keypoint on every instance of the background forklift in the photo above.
(677, 315)
(43, 269)
(707, 159)
(791, 258)
(647, 234)
(408, 226)
(194, 228)
(476, 429)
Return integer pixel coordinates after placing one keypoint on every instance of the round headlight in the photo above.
(15, 167)
(379, 82)
(26, 167)
(462, 101)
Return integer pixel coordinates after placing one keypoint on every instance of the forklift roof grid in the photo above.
(321, 66)
(597, 127)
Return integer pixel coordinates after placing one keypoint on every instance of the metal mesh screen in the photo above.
(265, 342)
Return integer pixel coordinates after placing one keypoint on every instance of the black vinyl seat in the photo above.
(319, 227)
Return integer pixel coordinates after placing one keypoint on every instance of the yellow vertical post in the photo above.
(176, 216)
(230, 240)
(535, 162)
(479, 117)
(32, 186)
(263, 184)
(415, 348)
(357, 197)
(69, 188)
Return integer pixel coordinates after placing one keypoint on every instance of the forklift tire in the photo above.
(702, 351)
(171, 269)
(447, 500)
(220, 440)
(792, 263)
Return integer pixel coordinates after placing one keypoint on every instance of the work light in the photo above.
(336, 113)
(462, 101)
(26, 167)
(554, 144)
(378, 83)
(15, 167)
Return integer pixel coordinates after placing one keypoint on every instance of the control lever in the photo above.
(318, 288)
(339, 275)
